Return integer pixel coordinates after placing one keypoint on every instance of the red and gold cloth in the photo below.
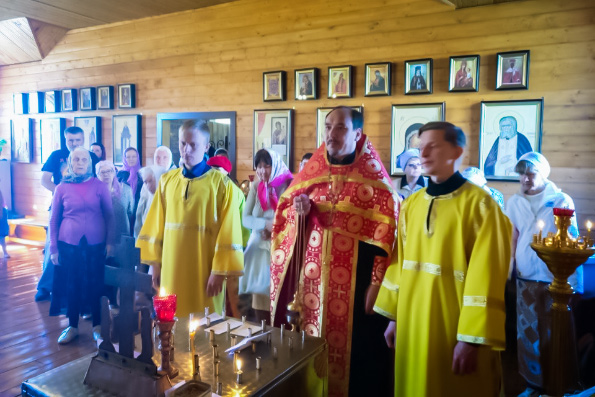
(350, 203)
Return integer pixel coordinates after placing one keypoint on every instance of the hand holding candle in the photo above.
(165, 306)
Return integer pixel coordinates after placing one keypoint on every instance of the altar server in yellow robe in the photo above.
(444, 289)
(193, 232)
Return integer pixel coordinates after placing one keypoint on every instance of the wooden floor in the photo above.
(28, 336)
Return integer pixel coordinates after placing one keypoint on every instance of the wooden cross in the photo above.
(128, 280)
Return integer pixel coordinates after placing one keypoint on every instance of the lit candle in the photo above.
(239, 372)
(540, 225)
(165, 306)
(192, 329)
(589, 226)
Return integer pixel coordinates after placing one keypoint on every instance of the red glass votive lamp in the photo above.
(165, 307)
(563, 212)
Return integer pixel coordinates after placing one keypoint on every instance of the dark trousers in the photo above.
(80, 279)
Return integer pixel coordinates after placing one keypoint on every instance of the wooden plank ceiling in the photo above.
(29, 29)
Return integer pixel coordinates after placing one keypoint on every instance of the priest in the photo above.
(333, 230)
(193, 232)
(444, 288)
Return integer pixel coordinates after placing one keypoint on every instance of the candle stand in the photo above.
(165, 328)
(562, 254)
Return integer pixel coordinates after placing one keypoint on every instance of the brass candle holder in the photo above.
(562, 254)
(165, 328)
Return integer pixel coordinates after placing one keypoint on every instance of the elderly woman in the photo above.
(81, 231)
(150, 176)
(130, 176)
(274, 177)
(164, 158)
(412, 181)
(122, 201)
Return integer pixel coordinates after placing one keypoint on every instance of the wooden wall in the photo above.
(212, 59)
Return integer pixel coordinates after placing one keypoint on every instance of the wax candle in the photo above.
(589, 226)
(540, 225)
(165, 306)
(239, 372)
(192, 334)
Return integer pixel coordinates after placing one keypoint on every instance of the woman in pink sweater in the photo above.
(81, 232)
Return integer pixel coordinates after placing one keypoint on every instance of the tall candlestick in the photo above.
(216, 365)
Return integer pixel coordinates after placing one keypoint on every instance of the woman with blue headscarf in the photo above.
(81, 233)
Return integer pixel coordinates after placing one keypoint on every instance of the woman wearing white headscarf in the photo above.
(81, 231)
(412, 181)
(274, 177)
(531, 211)
(150, 176)
(164, 158)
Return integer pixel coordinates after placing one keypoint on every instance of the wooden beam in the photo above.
(46, 35)
(473, 3)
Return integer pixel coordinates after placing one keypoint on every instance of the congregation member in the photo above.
(121, 195)
(273, 179)
(345, 229)
(164, 158)
(150, 176)
(98, 149)
(192, 234)
(476, 176)
(412, 180)
(122, 205)
(130, 176)
(535, 201)
(4, 229)
(304, 160)
(444, 288)
(51, 175)
(81, 234)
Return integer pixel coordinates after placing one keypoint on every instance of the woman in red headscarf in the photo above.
(273, 178)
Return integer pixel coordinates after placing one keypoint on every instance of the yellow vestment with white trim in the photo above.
(193, 229)
(446, 284)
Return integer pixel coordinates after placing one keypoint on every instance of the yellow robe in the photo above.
(446, 284)
(193, 229)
